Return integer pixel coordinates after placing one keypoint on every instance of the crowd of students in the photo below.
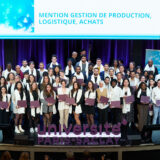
(80, 80)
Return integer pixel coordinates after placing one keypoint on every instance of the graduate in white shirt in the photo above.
(63, 107)
(77, 94)
(69, 70)
(4, 113)
(25, 66)
(99, 65)
(41, 69)
(115, 94)
(156, 107)
(18, 95)
(134, 82)
(8, 70)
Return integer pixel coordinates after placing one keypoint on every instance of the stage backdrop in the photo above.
(15, 51)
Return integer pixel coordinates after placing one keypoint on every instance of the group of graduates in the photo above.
(80, 80)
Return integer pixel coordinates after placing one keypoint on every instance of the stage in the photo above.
(78, 149)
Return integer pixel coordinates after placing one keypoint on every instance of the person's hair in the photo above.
(31, 90)
(125, 80)
(6, 156)
(53, 55)
(132, 63)
(44, 78)
(31, 75)
(98, 59)
(92, 85)
(113, 80)
(142, 83)
(24, 60)
(63, 81)
(21, 90)
(4, 80)
(31, 62)
(132, 72)
(46, 92)
(24, 156)
(1, 92)
(72, 91)
(83, 56)
(9, 75)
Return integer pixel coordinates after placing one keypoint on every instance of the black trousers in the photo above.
(116, 115)
(103, 115)
(4, 117)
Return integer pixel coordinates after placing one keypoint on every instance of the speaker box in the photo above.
(23, 140)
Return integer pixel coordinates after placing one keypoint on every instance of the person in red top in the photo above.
(19, 72)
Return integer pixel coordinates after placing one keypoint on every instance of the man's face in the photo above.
(111, 72)
(132, 74)
(98, 62)
(107, 81)
(54, 59)
(74, 55)
(150, 63)
(90, 67)
(119, 76)
(41, 66)
(96, 72)
(121, 69)
(83, 53)
(31, 66)
(9, 67)
(78, 70)
(83, 59)
(113, 84)
(18, 69)
(24, 63)
(106, 67)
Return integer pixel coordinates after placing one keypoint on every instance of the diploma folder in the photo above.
(3, 104)
(80, 81)
(115, 104)
(70, 101)
(22, 103)
(129, 99)
(50, 100)
(34, 104)
(89, 102)
(104, 99)
(145, 99)
(63, 97)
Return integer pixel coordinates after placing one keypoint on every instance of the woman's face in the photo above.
(48, 88)
(152, 82)
(11, 77)
(63, 84)
(137, 76)
(75, 86)
(126, 83)
(143, 86)
(115, 63)
(31, 78)
(2, 80)
(56, 69)
(17, 79)
(138, 70)
(3, 90)
(50, 72)
(100, 84)
(69, 63)
(34, 86)
(57, 80)
(90, 85)
(74, 79)
(46, 80)
(142, 79)
(19, 86)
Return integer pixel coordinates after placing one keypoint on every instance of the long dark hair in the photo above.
(31, 90)
(128, 82)
(4, 80)
(72, 91)
(1, 97)
(8, 79)
(21, 90)
(45, 92)
(87, 88)
(140, 86)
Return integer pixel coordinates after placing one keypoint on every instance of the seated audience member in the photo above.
(6, 156)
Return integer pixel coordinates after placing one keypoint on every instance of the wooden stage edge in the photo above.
(46, 148)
